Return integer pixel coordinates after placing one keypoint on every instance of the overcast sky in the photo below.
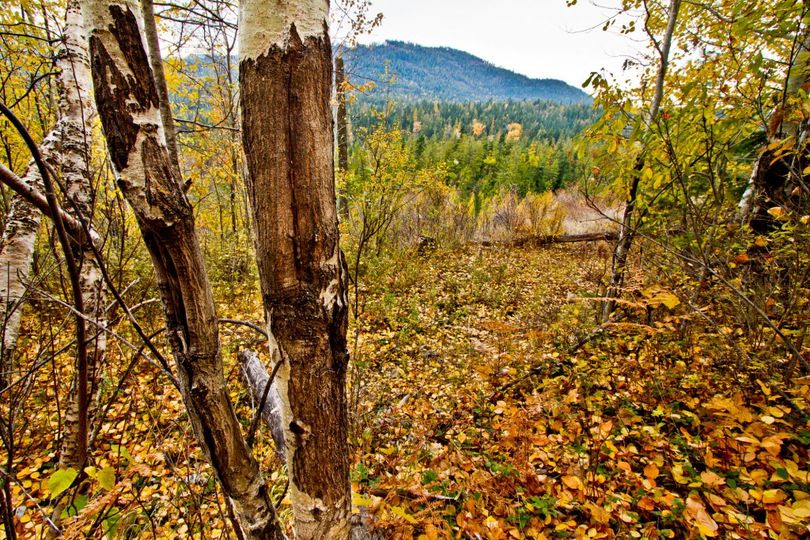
(539, 38)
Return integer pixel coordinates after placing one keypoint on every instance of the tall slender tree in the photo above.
(629, 223)
(285, 75)
(76, 128)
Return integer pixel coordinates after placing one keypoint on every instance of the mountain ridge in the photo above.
(447, 74)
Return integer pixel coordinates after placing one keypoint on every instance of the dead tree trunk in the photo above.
(628, 227)
(285, 75)
(129, 108)
(267, 399)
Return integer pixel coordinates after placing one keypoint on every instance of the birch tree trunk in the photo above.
(16, 255)
(129, 107)
(65, 148)
(627, 231)
(78, 112)
(285, 75)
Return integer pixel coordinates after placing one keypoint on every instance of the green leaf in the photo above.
(78, 504)
(106, 477)
(61, 480)
(121, 451)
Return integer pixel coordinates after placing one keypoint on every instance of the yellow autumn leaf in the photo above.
(572, 482)
(711, 479)
(668, 299)
(706, 525)
(777, 211)
(773, 496)
(802, 508)
(677, 474)
(401, 512)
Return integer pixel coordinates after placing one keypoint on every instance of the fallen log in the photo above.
(265, 395)
(545, 240)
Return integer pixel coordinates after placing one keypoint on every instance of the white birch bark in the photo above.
(76, 125)
(129, 108)
(65, 148)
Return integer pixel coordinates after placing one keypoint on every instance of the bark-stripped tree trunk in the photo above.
(129, 108)
(628, 228)
(267, 399)
(285, 75)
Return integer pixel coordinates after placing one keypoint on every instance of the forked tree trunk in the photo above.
(65, 148)
(129, 108)
(285, 75)
(628, 228)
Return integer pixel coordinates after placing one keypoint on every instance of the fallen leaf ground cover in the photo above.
(486, 403)
(490, 406)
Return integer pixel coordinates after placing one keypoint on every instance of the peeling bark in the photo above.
(78, 113)
(128, 105)
(287, 133)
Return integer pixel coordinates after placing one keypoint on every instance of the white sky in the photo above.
(539, 38)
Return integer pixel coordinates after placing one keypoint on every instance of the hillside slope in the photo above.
(448, 75)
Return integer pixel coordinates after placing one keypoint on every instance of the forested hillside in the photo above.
(251, 290)
(428, 73)
(539, 120)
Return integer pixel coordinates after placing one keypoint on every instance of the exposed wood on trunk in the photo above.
(128, 105)
(285, 81)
